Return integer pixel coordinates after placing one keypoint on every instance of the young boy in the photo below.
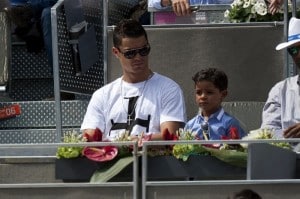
(212, 122)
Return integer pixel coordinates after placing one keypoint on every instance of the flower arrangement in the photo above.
(98, 154)
(265, 134)
(233, 154)
(180, 151)
(251, 11)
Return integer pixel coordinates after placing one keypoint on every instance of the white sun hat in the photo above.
(294, 34)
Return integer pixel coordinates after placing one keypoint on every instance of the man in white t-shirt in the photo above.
(140, 101)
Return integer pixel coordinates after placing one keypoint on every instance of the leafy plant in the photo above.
(70, 152)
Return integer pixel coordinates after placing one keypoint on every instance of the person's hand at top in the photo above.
(274, 6)
(292, 132)
(181, 7)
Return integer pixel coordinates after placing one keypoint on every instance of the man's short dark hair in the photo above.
(217, 77)
(127, 28)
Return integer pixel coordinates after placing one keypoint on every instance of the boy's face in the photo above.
(208, 97)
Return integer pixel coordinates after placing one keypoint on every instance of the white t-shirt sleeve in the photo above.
(94, 117)
(172, 105)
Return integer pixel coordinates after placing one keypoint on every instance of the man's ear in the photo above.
(115, 52)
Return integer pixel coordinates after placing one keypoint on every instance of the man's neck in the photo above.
(137, 78)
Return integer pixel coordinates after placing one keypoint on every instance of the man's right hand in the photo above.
(93, 135)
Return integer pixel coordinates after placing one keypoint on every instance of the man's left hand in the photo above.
(292, 131)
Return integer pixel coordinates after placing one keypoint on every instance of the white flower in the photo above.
(234, 4)
(226, 13)
(239, 2)
(261, 8)
(252, 2)
(246, 4)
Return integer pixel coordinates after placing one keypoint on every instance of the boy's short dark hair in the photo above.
(217, 77)
(127, 28)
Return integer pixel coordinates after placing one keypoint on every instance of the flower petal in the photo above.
(100, 154)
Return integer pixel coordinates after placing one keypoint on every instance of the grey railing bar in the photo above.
(292, 140)
(252, 24)
(222, 182)
(60, 185)
(46, 145)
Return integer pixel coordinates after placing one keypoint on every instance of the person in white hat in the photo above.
(282, 109)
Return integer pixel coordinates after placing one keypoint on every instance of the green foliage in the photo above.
(183, 151)
(104, 175)
(232, 157)
(70, 152)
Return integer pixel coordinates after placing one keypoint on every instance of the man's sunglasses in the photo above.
(130, 54)
(293, 51)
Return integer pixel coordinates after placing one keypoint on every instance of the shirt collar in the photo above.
(218, 115)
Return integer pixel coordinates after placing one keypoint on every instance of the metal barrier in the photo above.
(213, 187)
(33, 177)
(62, 54)
(41, 183)
(4, 50)
(37, 122)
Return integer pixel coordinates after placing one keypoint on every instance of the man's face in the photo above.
(294, 51)
(133, 54)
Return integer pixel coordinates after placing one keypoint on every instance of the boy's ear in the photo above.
(224, 93)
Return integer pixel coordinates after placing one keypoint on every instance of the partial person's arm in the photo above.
(171, 126)
(271, 115)
(165, 3)
(94, 117)
(159, 4)
(173, 113)
(275, 5)
(180, 7)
